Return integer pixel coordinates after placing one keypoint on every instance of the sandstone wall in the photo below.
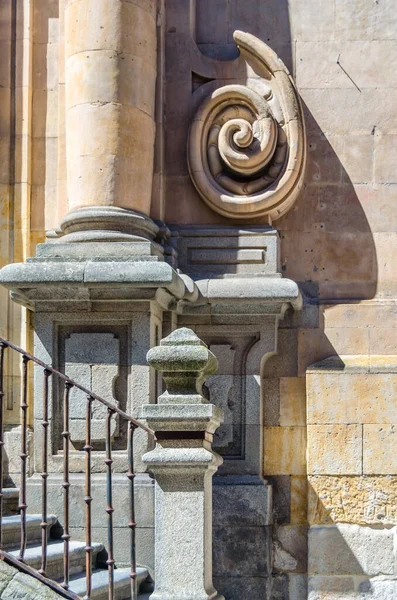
(330, 430)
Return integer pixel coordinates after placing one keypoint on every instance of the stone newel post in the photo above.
(183, 464)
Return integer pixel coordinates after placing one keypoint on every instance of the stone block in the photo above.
(317, 344)
(290, 549)
(386, 245)
(379, 449)
(377, 590)
(345, 549)
(357, 158)
(363, 314)
(285, 451)
(214, 30)
(292, 401)
(279, 587)
(271, 401)
(144, 499)
(15, 584)
(281, 485)
(349, 397)
(323, 165)
(362, 500)
(383, 342)
(385, 150)
(297, 587)
(235, 588)
(285, 363)
(90, 33)
(243, 551)
(122, 543)
(238, 504)
(216, 250)
(358, 20)
(299, 499)
(334, 449)
(317, 66)
(361, 111)
(331, 588)
(312, 20)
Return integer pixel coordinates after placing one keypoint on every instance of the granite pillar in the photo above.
(183, 464)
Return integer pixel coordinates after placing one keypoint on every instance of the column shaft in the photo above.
(110, 96)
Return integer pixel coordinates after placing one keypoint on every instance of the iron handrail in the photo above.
(112, 410)
(67, 379)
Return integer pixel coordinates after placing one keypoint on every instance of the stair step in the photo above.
(55, 557)
(100, 580)
(11, 526)
(10, 501)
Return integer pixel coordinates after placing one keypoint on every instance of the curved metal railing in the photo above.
(112, 410)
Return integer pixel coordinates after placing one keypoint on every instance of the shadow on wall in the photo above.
(268, 20)
(327, 247)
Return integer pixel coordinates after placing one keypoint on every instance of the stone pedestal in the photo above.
(243, 298)
(183, 464)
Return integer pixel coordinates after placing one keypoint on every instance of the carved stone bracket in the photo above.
(246, 146)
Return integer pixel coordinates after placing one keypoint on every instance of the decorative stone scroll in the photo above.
(246, 147)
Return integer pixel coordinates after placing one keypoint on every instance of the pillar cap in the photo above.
(183, 351)
(185, 362)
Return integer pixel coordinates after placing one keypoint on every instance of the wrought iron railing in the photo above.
(112, 410)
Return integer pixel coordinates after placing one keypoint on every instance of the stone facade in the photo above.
(110, 180)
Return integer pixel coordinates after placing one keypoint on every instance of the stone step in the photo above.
(10, 501)
(100, 581)
(11, 526)
(55, 558)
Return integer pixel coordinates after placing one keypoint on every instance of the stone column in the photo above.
(183, 464)
(110, 78)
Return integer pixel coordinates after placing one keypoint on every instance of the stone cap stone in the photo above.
(182, 351)
(185, 362)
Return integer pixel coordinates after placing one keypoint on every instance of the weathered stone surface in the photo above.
(14, 584)
(183, 466)
(290, 549)
(297, 587)
(281, 485)
(362, 500)
(379, 449)
(351, 397)
(377, 590)
(243, 551)
(351, 550)
(279, 588)
(299, 499)
(238, 504)
(285, 451)
(331, 588)
(318, 68)
(334, 449)
(235, 588)
(292, 401)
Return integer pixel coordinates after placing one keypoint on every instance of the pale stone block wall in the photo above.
(329, 446)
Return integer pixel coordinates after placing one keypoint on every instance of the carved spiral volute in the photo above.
(246, 147)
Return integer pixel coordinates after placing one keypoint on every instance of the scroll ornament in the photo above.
(247, 146)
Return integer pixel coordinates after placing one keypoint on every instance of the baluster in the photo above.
(2, 348)
(24, 455)
(132, 524)
(109, 507)
(44, 475)
(88, 499)
(66, 485)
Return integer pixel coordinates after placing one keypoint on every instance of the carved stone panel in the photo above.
(91, 359)
(246, 147)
